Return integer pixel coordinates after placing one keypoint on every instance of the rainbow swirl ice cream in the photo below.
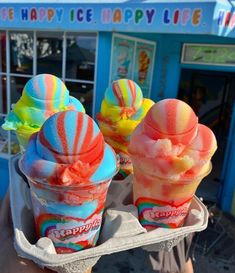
(122, 109)
(42, 96)
(171, 154)
(69, 167)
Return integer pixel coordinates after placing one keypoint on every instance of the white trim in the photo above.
(8, 74)
(133, 63)
(21, 75)
(109, 1)
(136, 40)
(182, 1)
(30, 30)
(182, 54)
(64, 46)
(73, 1)
(111, 60)
(151, 76)
(34, 53)
(8, 71)
(95, 75)
(204, 63)
(8, 86)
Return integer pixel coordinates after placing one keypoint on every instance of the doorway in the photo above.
(211, 95)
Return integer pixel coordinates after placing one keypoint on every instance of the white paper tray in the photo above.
(121, 229)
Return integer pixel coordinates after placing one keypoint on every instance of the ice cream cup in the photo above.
(163, 202)
(70, 216)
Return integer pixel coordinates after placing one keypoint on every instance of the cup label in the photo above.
(155, 213)
(64, 231)
(125, 163)
(69, 234)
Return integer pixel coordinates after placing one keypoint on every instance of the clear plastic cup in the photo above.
(126, 167)
(70, 216)
(163, 202)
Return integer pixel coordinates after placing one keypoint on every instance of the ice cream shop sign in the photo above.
(197, 17)
(175, 17)
(107, 15)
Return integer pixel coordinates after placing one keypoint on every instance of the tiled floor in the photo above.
(213, 251)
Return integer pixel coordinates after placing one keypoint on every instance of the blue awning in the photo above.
(157, 16)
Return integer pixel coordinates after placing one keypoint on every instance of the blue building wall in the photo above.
(102, 68)
(4, 176)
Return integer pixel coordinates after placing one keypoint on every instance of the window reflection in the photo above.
(2, 52)
(3, 137)
(80, 60)
(83, 92)
(17, 86)
(49, 53)
(79, 64)
(3, 95)
(21, 53)
(14, 146)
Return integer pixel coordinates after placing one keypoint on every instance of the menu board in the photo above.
(133, 59)
(122, 59)
(144, 58)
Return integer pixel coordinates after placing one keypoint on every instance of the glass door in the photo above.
(211, 95)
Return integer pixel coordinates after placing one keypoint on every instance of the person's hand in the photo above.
(9, 261)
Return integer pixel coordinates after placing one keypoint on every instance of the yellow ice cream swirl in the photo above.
(122, 109)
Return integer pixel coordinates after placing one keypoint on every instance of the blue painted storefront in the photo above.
(166, 77)
(167, 65)
(4, 176)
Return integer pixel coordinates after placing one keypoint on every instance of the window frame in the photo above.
(8, 74)
(191, 62)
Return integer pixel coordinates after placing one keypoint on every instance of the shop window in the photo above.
(3, 136)
(83, 92)
(75, 66)
(49, 53)
(17, 85)
(80, 57)
(3, 94)
(7, 137)
(21, 53)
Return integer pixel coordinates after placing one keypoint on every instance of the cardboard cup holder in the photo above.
(120, 230)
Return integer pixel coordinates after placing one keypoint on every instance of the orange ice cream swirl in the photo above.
(169, 142)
